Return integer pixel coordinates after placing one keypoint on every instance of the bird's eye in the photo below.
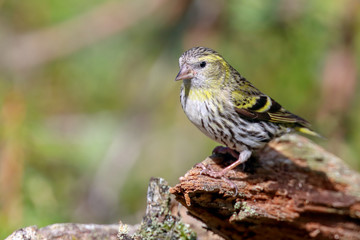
(202, 64)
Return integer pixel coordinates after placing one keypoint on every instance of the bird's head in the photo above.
(202, 67)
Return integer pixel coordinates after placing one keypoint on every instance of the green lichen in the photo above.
(242, 211)
(237, 205)
(159, 223)
(170, 228)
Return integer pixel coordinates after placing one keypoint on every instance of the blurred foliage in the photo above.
(83, 130)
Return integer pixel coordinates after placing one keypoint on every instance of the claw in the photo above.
(241, 158)
(232, 185)
(205, 169)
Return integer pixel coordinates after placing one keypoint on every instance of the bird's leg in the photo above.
(241, 158)
(225, 150)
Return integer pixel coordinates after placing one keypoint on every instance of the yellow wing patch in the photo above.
(266, 106)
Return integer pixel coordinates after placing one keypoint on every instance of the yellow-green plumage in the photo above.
(228, 108)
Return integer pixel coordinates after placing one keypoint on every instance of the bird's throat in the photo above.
(196, 93)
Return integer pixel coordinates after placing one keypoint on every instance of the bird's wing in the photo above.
(250, 103)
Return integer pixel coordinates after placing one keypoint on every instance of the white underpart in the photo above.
(196, 111)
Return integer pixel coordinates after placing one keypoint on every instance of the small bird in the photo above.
(229, 109)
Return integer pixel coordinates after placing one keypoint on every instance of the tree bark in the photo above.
(291, 189)
(159, 222)
(67, 231)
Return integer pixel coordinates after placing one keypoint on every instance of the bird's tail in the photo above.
(308, 131)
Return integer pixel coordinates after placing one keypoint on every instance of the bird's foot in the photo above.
(241, 158)
(207, 170)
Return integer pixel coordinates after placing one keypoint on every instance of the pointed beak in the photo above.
(184, 73)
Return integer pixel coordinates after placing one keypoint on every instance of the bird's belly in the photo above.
(225, 128)
(203, 117)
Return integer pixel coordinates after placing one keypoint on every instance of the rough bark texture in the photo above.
(67, 231)
(159, 223)
(292, 189)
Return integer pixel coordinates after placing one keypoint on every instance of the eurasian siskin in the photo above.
(228, 108)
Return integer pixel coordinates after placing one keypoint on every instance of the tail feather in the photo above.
(308, 131)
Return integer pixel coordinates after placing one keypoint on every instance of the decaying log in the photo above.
(159, 223)
(67, 231)
(292, 189)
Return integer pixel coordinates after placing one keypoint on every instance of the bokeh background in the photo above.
(90, 110)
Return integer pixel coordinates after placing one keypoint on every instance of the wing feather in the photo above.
(252, 104)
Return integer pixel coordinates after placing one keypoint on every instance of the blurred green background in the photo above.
(90, 110)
